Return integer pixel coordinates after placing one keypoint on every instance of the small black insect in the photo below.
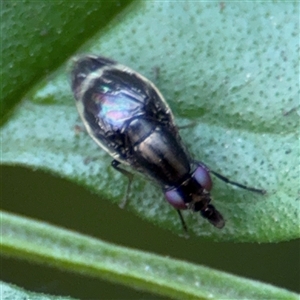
(128, 117)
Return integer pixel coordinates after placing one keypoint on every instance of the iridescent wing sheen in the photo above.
(109, 96)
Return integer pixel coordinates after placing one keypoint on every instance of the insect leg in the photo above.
(191, 124)
(115, 164)
(182, 221)
(225, 179)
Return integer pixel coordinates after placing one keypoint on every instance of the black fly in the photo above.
(128, 117)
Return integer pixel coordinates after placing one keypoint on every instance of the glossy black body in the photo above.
(140, 132)
(128, 117)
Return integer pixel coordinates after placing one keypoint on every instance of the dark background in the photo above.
(44, 197)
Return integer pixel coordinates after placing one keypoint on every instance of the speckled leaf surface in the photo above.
(9, 291)
(230, 68)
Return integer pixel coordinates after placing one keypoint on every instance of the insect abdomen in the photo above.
(157, 152)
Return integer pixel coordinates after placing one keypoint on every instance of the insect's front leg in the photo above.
(115, 164)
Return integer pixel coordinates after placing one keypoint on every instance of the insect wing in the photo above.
(109, 96)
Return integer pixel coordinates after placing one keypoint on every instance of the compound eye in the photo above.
(175, 199)
(202, 176)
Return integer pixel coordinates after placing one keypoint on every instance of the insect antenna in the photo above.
(242, 186)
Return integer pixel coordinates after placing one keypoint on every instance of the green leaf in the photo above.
(9, 291)
(236, 77)
(37, 37)
(231, 68)
(43, 243)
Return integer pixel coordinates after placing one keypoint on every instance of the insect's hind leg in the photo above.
(115, 164)
(242, 186)
(187, 126)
